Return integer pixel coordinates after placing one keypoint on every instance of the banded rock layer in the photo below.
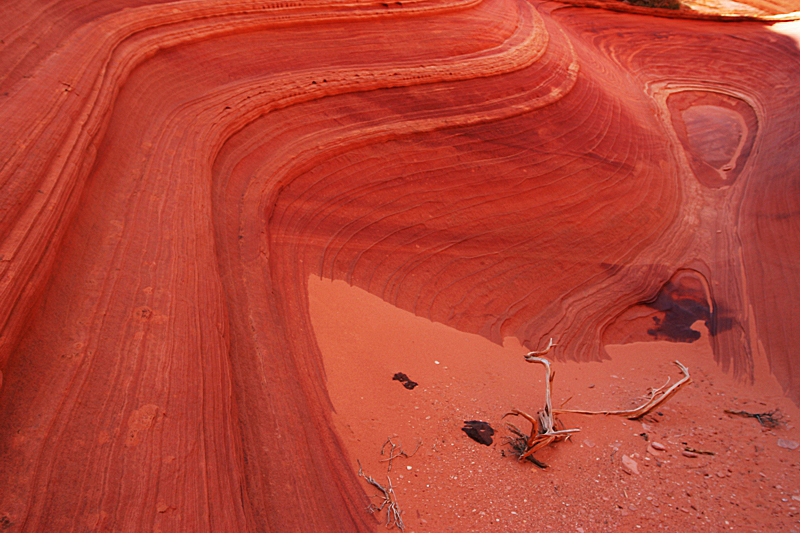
(173, 172)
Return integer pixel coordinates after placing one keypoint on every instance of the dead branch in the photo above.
(542, 352)
(544, 433)
(519, 445)
(399, 453)
(771, 419)
(700, 452)
(393, 513)
(656, 398)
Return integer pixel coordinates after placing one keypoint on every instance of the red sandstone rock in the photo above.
(629, 465)
(172, 173)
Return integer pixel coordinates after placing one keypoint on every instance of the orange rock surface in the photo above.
(171, 173)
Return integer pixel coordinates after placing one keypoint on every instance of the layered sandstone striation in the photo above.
(172, 172)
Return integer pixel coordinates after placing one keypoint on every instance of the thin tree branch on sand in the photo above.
(543, 426)
(519, 444)
(541, 352)
(393, 513)
(543, 430)
(772, 419)
(396, 451)
(656, 398)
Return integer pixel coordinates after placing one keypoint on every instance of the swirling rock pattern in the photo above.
(171, 173)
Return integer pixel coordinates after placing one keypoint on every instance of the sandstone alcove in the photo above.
(173, 175)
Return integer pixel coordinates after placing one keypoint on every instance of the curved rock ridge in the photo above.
(764, 10)
(173, 172)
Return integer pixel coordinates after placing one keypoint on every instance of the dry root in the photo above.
(519, 445)
(395, 451)
(772, 419)
(656, 398)
(393, 513)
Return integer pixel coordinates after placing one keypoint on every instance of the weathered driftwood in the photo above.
(656, 398)
(543, 431)
(393, 512)
(396, 451)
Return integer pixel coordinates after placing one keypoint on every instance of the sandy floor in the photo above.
(453, 483)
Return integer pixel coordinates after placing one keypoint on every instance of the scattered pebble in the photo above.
(652, 450)
(629, 465)
(687, 453)
(790, 444)
(658, 446)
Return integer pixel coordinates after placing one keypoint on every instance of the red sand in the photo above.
(455, 484)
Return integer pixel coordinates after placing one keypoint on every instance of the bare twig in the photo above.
(399, 453)
(656, 398)
(519, 444)
(701, 452)
(393, 513)
(542, 352)
(772, 419)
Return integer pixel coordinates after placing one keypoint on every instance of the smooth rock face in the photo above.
(171, 173)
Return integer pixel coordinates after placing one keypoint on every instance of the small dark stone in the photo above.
(478, 431)
(405, 380)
